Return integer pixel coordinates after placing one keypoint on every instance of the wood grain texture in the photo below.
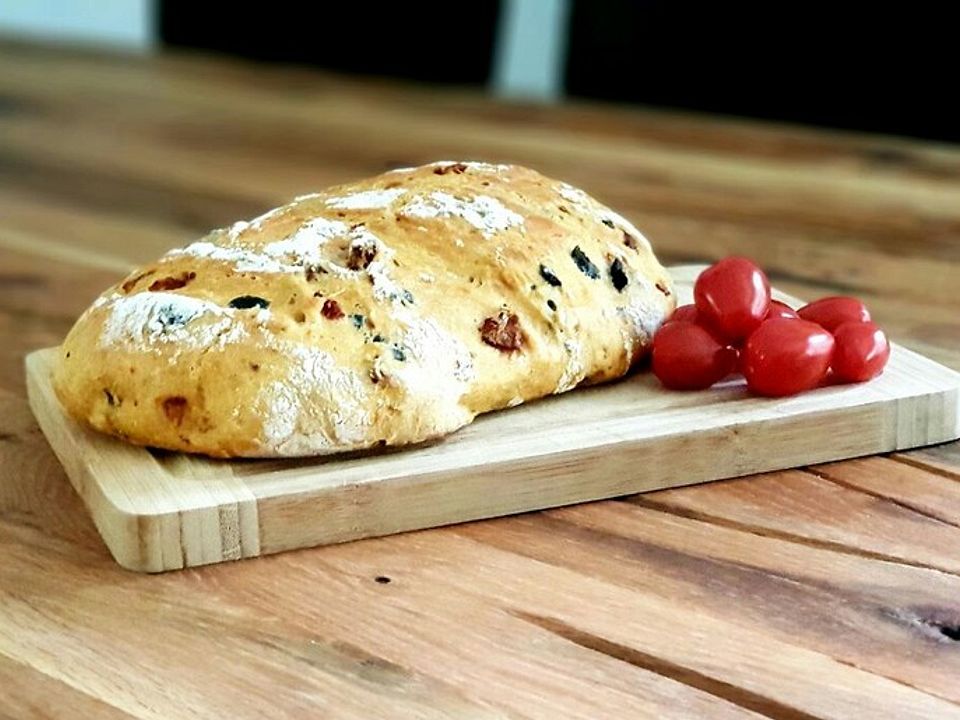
(166, 511)
(828, 592)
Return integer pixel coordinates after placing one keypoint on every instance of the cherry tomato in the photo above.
(861, 353)
(688, 357)
(781, 310)
(831, 312)
(733, 297)
(686, 313)
(784, 357)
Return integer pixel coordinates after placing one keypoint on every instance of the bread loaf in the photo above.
(384, 312)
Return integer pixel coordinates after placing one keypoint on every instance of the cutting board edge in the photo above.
(120, 530)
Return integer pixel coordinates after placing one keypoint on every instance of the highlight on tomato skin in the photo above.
(732, 297)
(832, 312)
(785, 357)
(861, 352)
(688, 357)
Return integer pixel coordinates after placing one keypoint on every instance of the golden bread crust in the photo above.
(383, 312)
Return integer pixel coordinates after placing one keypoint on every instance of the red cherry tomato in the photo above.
(784, 357)
(733, 297)
(688, 313)
(831, 312)
(861, 353)
(781, 310)
(685, 313)
(688, 357)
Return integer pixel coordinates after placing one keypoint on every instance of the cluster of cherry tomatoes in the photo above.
(734, 326)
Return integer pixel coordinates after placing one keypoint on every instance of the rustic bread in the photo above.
(383, 312)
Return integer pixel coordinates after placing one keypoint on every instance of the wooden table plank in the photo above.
(865, 612)
(828, 592)
(29, 693)
(894, 196)
(929, 494)
(810, 507)
(700, 643)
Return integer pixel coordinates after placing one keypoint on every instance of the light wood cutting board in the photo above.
(161, 511)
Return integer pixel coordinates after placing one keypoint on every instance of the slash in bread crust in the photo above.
(383, 312)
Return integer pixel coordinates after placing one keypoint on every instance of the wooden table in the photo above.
(831, 591)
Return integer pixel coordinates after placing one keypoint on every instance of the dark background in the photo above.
(890, 68)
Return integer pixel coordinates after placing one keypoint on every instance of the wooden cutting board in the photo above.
(161, 511)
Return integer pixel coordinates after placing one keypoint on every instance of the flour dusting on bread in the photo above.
(366, 199)
(573, 369)
(436, 364)
(584, 203)
(385, 289)
(241, 259)
(145, 320)
(314, 381)
(486, 214)
(305, 244)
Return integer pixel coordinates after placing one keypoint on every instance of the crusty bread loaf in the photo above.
(383, 312)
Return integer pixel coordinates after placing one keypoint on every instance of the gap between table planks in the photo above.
(159, 511)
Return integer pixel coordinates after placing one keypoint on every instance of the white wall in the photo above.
(113, 23)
